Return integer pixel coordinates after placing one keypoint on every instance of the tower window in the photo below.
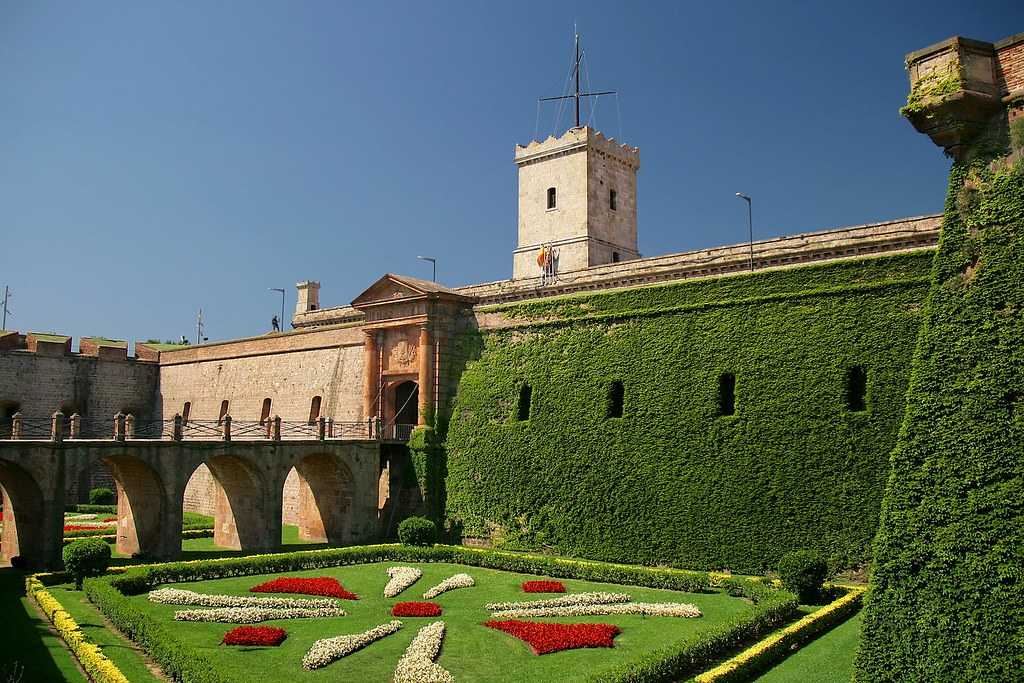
(857, 389)
(613, 202)
(525, 394)
(314, 409)
(551, 198)
(727, 394)
(223, 411)
(265, 413)
(185, 410)
(615, 257)
(616, 394)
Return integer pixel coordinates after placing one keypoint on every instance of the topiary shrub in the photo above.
(417, 531)
(101, 496)
(88, 557)
(803, 572)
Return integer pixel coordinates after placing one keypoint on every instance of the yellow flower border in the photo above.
(757, 656)
(96, 664)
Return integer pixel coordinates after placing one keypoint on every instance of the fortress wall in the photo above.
(95, 388)
(288, 369)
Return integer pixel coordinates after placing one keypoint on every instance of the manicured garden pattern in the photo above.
(546, 638)
(543, 587)
(417, 664)
(472, 652)
(416, 609)
(401, 578)
(327, 650)
(320, 585)
(461, 580)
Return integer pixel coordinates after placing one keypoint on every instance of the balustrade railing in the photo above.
(121, 427)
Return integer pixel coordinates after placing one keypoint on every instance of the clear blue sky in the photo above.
(156, 158)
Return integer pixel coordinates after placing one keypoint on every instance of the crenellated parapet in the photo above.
(575, 139)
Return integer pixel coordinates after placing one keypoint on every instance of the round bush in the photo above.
(88, 557)
(803, 572)
(101, 496)
(417, 531)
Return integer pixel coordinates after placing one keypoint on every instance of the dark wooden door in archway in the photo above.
(407, 396)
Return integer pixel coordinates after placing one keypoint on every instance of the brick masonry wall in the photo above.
(1010, 56)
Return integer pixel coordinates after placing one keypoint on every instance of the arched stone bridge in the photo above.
(338, 492)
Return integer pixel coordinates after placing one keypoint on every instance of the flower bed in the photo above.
(254, 615)
(177, 596)
(322, 585)
(545, 638)
(574, 600)
(255, 635)
(417, 664)
(416, 609)
(543, 587)
(449, 584)
(327, 650)
(401, 578)
(648, 609)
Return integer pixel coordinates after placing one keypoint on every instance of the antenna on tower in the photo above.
(199, 328)
(6, 311)
(576, 95)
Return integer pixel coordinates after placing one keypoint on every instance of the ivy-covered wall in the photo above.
(672, 481)
(947, 597)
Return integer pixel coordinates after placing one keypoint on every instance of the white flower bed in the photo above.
(327, 650)
(401, 578)
(451, 583)
(417, 664)
(253, 615)
(650, 609)
(177, 596)
(575, 600)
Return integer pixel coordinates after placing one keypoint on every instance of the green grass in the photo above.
(27, 640)
(829, 659)
(471, 651)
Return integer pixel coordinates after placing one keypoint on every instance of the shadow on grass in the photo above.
(26, 634)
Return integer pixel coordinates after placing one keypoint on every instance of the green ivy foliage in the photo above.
(947, 600)
(672, 481)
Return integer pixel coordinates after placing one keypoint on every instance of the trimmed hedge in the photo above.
(417, 531)
(803, 572)
(672, 481)
(771, 607)
(95, 509)
(86, 557)
(947, 602)
(101, 496)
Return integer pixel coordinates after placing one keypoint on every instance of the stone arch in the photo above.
(240, 516)
(23, 520)
(324, 492)
(140, 506)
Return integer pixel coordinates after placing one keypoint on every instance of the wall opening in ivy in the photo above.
(616, 396)
(727, 394)
(857, 389)
(525, 395)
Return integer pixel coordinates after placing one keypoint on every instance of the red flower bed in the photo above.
(82, 527)
(543, 587)
(109, 519)
(545, 638)
(321, 585)
(254, 635)
(416, 609)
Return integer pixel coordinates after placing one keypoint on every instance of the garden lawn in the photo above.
(828, 659)
(27, 642)
(471, 651)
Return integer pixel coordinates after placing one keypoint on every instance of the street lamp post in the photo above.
(433, 263)
(750, 227)
(278, 289)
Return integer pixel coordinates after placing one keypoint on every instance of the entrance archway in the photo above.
(405, 406)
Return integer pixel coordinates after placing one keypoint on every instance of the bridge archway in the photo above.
(324, 500)
(23, 520)
(240, 517)
(140, 506)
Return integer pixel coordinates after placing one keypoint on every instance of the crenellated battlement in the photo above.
(574, 139)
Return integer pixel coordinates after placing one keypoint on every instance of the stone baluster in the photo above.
(76, 427)
(129, 426)
(119, 427)
(330, 428)
(227, 428)
(276, 433)
(177, 431)
(321, 428)
(16, 427)
(57, 427)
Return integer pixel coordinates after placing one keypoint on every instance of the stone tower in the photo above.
(577, 197)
